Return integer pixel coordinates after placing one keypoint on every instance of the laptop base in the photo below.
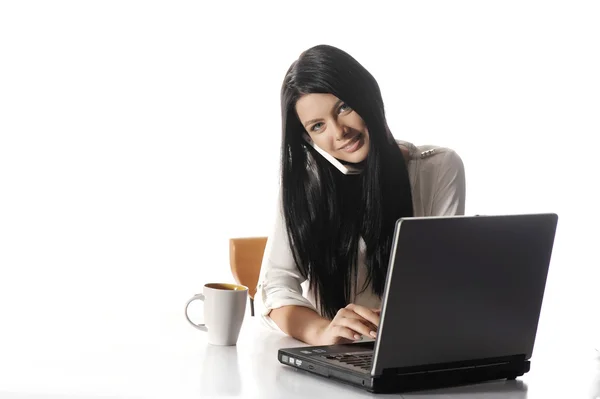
(448, 378)
(412, 378)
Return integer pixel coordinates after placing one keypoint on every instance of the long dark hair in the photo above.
(326, 212)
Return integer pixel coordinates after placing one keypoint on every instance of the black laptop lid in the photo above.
(464, 288)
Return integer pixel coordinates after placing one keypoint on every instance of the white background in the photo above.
(137, 137)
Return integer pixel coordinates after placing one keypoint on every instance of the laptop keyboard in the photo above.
(362, 361)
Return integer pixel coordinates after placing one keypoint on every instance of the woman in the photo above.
(325, 263)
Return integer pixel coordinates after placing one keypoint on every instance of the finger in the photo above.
(345, 332)
(357, 326)
(365, 312)
(349, 314)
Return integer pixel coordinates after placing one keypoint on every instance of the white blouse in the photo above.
(437, 179)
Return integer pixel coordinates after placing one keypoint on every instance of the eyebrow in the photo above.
(310, 122)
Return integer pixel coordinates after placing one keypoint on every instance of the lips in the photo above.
(351, 143)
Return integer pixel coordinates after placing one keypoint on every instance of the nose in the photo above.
(340, 131)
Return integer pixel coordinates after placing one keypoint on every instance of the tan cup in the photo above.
(224, 310)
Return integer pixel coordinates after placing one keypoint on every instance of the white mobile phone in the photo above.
(345, 169)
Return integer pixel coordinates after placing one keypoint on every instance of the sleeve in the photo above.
(280, 281)
(450, 194)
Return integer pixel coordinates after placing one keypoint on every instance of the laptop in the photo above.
(461, 305)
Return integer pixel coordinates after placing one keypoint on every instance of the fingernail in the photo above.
(356, 336)
(373, 334)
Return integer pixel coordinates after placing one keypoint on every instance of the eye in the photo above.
(316, 127)
(344, 108)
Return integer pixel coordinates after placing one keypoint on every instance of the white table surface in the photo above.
(175, 361)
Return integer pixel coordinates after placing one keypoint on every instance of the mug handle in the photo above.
(201, 327)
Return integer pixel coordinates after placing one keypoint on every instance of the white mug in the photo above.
(224, 309)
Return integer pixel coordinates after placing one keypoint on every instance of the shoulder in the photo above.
(437, 178)
(432, 167)
(428, 158)
(443, 160)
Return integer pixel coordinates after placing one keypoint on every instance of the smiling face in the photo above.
(334, 126)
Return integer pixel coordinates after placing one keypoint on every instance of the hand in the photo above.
(349, 324)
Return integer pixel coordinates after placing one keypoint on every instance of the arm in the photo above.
(279, 298)
(279, 291)
(450, 194)
(280, 304)
(300, 322)
(349, 324)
